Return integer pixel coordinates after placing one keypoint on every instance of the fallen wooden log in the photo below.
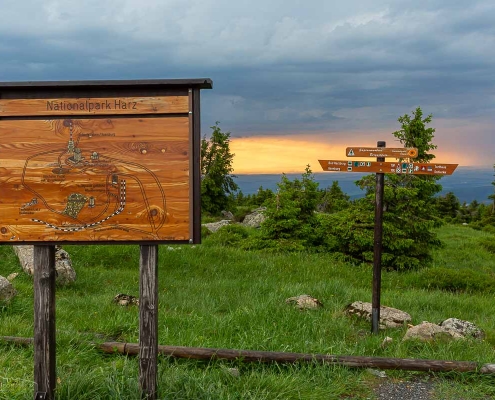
(200, 353)
(22, 341)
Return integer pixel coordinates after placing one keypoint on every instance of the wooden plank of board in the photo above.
(122, 179)
(94, 106)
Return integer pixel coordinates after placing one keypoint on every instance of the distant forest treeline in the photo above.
(467, 183)
(479, 214)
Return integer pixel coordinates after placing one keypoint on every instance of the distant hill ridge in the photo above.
(467, 183)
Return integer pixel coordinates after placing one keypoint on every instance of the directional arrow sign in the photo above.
(388, 167)
(399, 152)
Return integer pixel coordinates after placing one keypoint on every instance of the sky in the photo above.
(293, 81)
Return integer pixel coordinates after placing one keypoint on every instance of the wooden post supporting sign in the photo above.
(380, 167)
(377, 249)
(148, 320)
(44, 322)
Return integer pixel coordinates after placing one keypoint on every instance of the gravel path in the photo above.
(412, 390)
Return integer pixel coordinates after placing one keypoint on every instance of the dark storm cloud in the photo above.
(278, 67)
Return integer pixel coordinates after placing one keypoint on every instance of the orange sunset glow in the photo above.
(264, 155)
(291, 154)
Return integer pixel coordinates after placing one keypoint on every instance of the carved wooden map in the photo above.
(87, 169)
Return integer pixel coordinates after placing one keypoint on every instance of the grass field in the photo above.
(214, 296)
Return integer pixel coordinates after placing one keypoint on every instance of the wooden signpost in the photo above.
(380, 167)
(398, 168)
(104, 162)
(396, 152)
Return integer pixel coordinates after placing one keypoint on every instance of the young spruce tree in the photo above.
(291, 222)
(410, 212)
(333, 199)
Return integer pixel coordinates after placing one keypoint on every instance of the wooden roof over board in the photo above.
(201, 83)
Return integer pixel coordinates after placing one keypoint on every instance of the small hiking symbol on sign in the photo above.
(351, 153)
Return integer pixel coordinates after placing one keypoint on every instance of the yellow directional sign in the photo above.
(388, 167)
(396, 152)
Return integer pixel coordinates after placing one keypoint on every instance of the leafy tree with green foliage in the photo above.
(409, 204)
(217, 181)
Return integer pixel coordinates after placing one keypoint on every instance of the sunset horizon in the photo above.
(291, 154)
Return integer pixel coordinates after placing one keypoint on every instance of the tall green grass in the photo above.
(215, 296)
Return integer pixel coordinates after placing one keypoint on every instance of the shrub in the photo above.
(240, 212)
(205, 232)
(489, 244)
(291, 222)
(454, 280)
(489, 229)
(448, 206)
(351, 232)
(229, 235)
(282, 245)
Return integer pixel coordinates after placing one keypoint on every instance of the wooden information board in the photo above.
(119, 163)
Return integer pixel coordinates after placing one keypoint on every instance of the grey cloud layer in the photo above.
(278, 66)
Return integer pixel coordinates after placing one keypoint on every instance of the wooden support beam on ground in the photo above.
(20, 341)
(200, 353)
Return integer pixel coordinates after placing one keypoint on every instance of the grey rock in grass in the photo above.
(7, 291)
(25, 255)
(63, 266)
(228, 215)
(304, 302)
(464, 328)
(234, 372)
(12, 276)
(488, 369)
(389, 317)
(63, 263)
(376, 372)
(126, 300)
(255, 219)
(428, 332)
(386, 342)
(215, 226)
